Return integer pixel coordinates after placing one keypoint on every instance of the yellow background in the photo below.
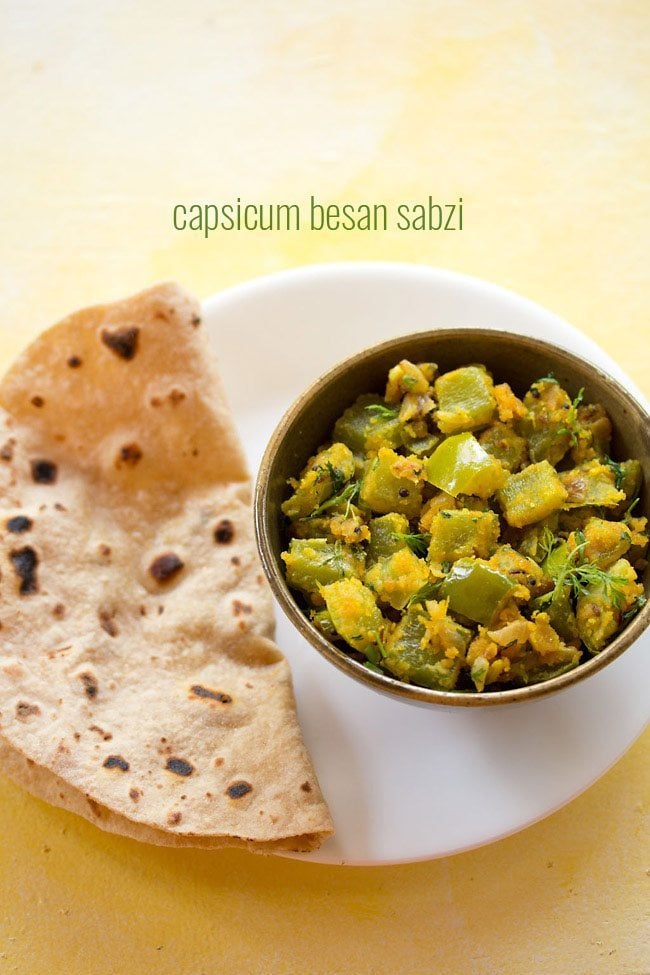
(537, 114)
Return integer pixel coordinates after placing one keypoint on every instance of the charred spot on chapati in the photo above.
(176, 396)
(18, 524)
(43, 471)
(238, 789)
(135, 794)
(123, 341)
(179, 766)
(224, 532)
(116, 761)
(198, 690)
(58, 611)
(104, 551)
(106, 735)
(174, 818)
(166, 566)
(196, 320)
(306, 787)
(74, 361)
(37, 401)
(107, 622)
(24, 711)
(129, 454)
(7, 449)
(238, 607)
(95, 808)
(90, 685)
(24, 561)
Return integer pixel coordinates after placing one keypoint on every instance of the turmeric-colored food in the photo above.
(456, 536)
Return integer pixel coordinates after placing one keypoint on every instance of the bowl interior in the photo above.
(515, 359)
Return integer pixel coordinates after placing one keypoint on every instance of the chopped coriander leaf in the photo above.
(418, 543)
(375, 669)
(348, 494)
(635, 608)
(375, 652)
(572, 418)
(428, 591)
(337, 476)
(619, 472)
(337, 559)
(547, 542)
(581, 576)
(385, 412)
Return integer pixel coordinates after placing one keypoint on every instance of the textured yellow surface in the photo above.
(538, 116)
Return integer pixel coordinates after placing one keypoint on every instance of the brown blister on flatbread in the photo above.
(137, 671)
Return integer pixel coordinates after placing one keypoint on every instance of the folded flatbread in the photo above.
(139, 684)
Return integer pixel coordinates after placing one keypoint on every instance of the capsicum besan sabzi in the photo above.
(457, 537)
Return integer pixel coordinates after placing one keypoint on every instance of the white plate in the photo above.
(406, 782)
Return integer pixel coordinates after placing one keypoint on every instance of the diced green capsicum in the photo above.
(386, 536)
(549, 422)
(476, 591)
(383, 491)
(600, 606)
(323, 622)
(314, 562)
(423, 446)
(462, 534)
(397, 578)
(532, 494)
(465, 399)
(502, 442)
(368, 425)
(430, 659)
(461, 466)
(324, 475)
(522, 570)
(354, 613)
